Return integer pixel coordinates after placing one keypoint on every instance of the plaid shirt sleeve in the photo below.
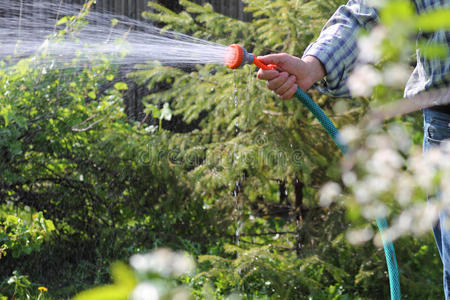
(337, 47)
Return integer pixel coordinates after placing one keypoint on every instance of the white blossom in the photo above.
(370, 45)
(396, 75)
(163, 262)
(182, 264)
(349, 178)
(328, 193)
(359, 236)
(340, 107)
(404, 189)
(374, 211)
(422, 172)
(426, 216)
(445, 146)
(377, 3)
(444, 191)
(349, 134)
(181, 294)
(400, 137)
(145, 291)
(405, 222)
(361, 193)
(384, 162)
(377, 184)
(363, 79)
(378, 141)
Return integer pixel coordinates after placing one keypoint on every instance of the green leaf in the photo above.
(121, 86)
(124, 283)
(92, 95)
(49, 225)
(432, 51)
(7, 113)
(16, 148)
(62, 21)
(110, 77)
(150, 108)
(434, 20)
(11, 220)
(108, 292)
(123, 275)
(396, 11)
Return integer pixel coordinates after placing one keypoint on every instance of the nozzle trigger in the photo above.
(273, 67)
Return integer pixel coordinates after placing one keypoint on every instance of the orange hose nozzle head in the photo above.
(236, 56)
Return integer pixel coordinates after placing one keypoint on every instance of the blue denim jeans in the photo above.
(436, 129)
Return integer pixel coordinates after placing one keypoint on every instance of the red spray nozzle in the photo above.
(236, 56)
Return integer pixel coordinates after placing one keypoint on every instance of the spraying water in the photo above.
(31, 28)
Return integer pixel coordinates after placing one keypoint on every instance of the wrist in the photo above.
(315, 68)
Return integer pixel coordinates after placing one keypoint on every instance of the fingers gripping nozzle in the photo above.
(236, 56)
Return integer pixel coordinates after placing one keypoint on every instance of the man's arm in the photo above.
(333, 54)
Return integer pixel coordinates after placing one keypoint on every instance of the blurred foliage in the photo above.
(23, 232)
(236, 187)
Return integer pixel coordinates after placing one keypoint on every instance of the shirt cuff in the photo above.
(333, 83)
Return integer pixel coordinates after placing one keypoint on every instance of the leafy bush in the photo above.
(24, 233)
(69, 152)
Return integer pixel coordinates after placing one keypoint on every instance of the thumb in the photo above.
(276, 59)
(283, 61)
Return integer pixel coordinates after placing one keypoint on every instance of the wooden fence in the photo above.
(232, 8)
(134, 8)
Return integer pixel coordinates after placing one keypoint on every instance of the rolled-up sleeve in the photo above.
(337, 47)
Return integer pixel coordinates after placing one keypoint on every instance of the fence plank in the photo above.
(142, 8)
(132, 9)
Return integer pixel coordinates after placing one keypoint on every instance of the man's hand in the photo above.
(293, 73)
